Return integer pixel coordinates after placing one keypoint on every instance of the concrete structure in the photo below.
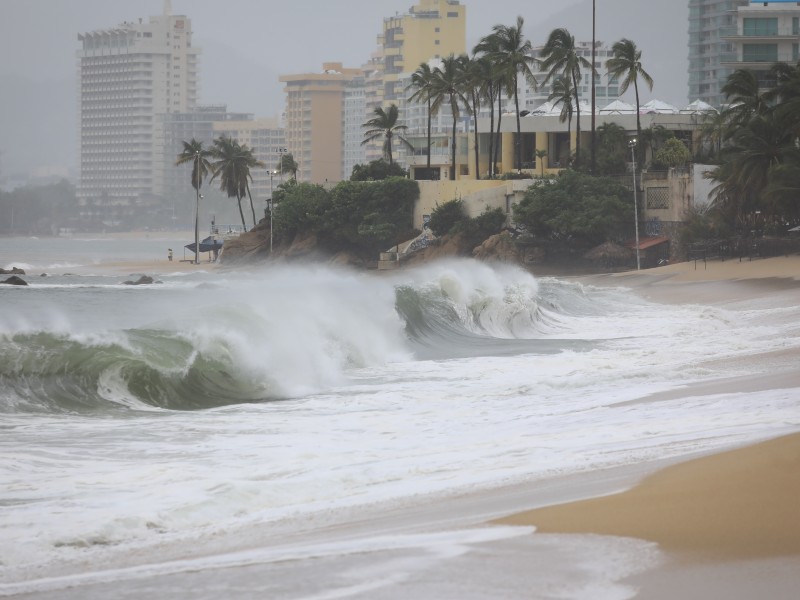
(765, 33)
(128, 75)
(315, 105)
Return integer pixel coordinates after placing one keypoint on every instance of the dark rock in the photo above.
(143, 280)
(14, 280)
(12, 271)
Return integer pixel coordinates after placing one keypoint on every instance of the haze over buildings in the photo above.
(247, 46)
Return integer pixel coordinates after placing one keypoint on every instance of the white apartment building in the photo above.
(127, 76)
(765, 33)
(710, 50)
(354, 111)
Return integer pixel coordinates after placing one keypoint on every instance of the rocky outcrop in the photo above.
(143, 280)
(498, 248)
(14, 280)
(12, 271)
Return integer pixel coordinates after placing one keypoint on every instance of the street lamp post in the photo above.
(271, 206)
(632, 146)
(197, 208)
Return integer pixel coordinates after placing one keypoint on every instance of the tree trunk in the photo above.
(241, 213)
(499, 121)
(638, 123)
(453, 150)
(252, 210)
(429, 134)
(491, 131)
(518, 141)
(577, 121)
(477, 153)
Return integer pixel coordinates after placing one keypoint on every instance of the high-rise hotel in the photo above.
(128, 76)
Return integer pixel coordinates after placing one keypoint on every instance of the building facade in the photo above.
(711, 22)
(765, 33)
(314, 120)
(127, 76)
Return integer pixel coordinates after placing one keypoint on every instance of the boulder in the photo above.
(143, 280)
(12, 271)
(500, 248)
(14, 280)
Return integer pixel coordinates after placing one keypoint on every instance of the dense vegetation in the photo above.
(756, 146)
(364, 217)
(577, 208)
(451, 218)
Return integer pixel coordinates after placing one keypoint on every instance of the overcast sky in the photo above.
(246, 44)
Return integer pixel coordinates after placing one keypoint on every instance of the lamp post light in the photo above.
(632, 146)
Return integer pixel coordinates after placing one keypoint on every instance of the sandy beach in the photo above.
(729, 522)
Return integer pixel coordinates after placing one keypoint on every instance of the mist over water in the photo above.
(141, 419)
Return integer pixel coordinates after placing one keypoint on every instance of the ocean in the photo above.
(302, 431)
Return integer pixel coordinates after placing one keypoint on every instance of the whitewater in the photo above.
(303, 431)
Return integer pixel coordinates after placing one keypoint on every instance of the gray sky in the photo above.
(246, 44)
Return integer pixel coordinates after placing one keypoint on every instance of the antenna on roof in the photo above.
(167, 8)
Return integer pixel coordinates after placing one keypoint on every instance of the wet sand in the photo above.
(730, 522)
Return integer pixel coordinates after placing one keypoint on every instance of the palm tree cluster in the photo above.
(498, 65)
(227, 159)
(758, 137)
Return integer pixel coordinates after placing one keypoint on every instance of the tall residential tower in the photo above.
(128, 75)
(710, 21)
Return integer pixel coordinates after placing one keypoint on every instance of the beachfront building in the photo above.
(315, 118)
(764, 33)
(128, 76)
(606, 87)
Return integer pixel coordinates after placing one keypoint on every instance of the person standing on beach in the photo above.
(169, 254)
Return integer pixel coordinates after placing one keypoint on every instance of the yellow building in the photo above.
(430, 29)
(314, 130)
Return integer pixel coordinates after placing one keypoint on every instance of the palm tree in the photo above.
(496, 81)
(746, 100)
(385, 124)
(562, 93)
(541, 154)
(287, 164)
(513, 52)
(422, 82)
(194, 151)
(446, 88)
(251, 162)
(626, 65)
(713, 130)
(560, 57)
(232, 165)
(473, 73)
(756, 150)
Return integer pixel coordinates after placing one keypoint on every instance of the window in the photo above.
(452, 14)
(795, 52)
(760, 27)
(795, 25)
(760, 53)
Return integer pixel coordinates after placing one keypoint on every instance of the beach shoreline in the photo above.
(728, 522)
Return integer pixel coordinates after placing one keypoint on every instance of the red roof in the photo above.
(647, 242)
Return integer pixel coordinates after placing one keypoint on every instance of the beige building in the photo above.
(127, 76)
(314, 120)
